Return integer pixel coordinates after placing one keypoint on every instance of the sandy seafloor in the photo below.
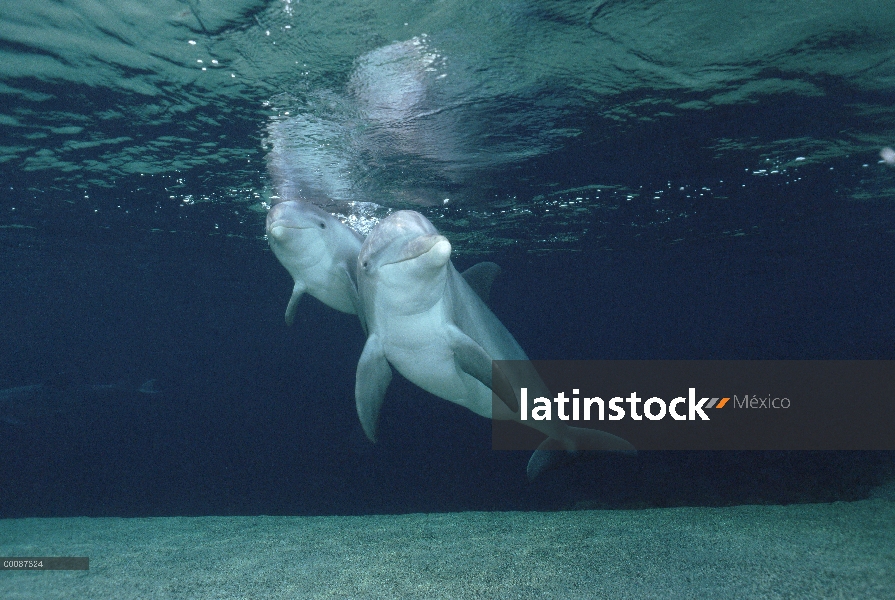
(838, 550)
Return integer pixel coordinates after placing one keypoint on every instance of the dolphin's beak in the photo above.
(276, 231)
(288, 215)
(283, 218)
(285, 223)
(421, 245)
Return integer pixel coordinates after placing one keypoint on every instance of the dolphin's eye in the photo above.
(322, 225)
(365, 264)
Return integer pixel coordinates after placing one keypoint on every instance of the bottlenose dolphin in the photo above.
(58, 395)
(426, 321)
(320, 253)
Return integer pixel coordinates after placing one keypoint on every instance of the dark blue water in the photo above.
(258, 418)
(664, 211)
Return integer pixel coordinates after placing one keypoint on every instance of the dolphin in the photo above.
(60, 394)
(320, 253)
(427, 322)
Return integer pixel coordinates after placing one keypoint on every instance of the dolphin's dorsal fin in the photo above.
(480, 277)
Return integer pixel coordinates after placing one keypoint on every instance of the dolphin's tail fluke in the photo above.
(581, 444)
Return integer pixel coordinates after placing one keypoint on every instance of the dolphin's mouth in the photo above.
(401, 249)
(419, 246)
(284, 230)
(286, 224)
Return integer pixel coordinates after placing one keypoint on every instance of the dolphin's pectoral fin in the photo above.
(297, 293)
(373, 376)
(474, 361)
(480, 277)
(362, 318)
(583, 444)
(351, 286)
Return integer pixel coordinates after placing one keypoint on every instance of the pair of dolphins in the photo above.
(421, 316)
